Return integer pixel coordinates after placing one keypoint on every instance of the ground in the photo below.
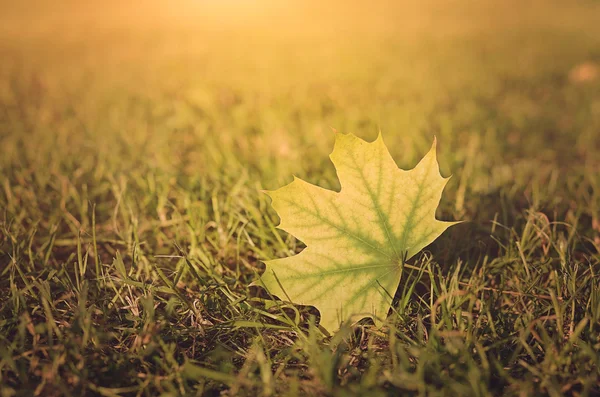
(136, 140)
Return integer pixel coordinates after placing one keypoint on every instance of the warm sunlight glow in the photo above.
(160, 157)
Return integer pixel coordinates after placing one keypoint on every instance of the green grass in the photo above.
(135, 144)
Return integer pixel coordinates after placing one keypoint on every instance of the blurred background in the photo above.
(133, 133)
(174, 101)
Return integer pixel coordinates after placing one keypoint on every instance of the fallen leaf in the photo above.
(358, 239)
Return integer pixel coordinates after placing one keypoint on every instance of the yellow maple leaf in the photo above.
(358, 239)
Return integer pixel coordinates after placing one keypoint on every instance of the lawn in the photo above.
(136, 141)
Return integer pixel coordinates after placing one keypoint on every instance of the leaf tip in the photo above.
(379, 138)
(454, 223)
(296, 179)
(267, 192)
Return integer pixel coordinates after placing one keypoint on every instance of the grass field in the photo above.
(135, 141)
